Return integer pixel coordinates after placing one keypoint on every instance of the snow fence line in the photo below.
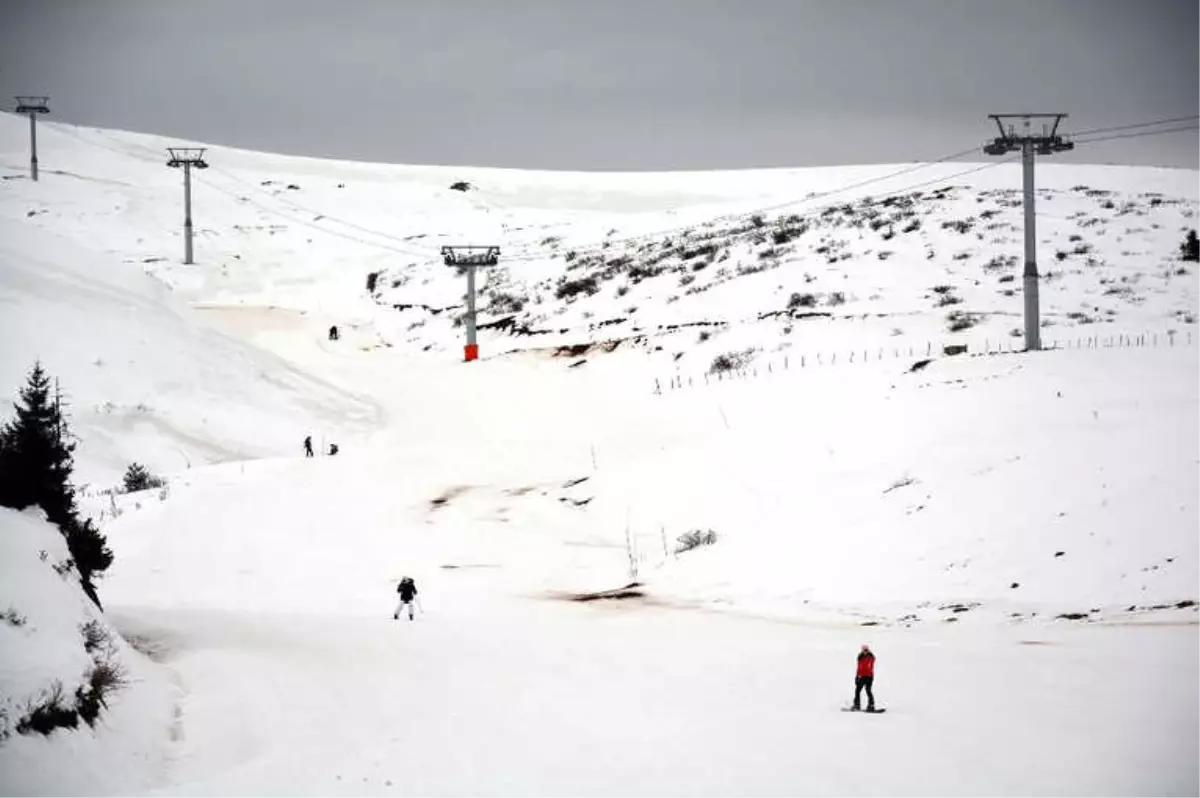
(876, 354)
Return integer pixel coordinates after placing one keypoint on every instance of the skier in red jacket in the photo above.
(864, 677)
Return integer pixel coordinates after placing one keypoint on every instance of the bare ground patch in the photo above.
(632, 591)
(446, 496)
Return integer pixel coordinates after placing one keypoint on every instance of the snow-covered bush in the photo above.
(731, 361)
(568, 289)
(798, 300)
(503, 302)
(50, 714)
(56, 711)
(96, 638)
(105, 678)
(695, 539)
(958, 320)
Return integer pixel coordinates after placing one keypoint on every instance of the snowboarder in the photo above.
(408, 591)
(333, 448)
(864, 677)
(308, 452)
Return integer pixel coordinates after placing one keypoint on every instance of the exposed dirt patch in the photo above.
(630, 591)
(579, 350)
(447, 495)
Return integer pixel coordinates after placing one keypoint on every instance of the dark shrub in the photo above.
(572, 288)
(798, 300)
(1190, 248)
(138, 477)
(695, 539)
(51, 714)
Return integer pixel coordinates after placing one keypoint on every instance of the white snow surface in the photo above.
(1014, 534)
(124, 750)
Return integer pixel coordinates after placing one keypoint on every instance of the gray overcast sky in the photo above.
(610, 84)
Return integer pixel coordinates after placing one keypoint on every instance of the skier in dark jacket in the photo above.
(864, 677)
(408, 591)
(308, 452)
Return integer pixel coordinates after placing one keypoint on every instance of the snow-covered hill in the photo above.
(997, 525)
(940, 263)
(803, 258)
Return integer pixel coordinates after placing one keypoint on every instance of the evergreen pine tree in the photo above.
(137, 477)
(35, 469)
(37, 460)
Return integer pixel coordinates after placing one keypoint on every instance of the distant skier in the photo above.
(333, 333)
(308, 450)
(864, 677)
(333, 448)
(408, 592)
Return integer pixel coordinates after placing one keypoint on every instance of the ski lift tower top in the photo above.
(186, 156)
(30, 104)
(1012, 139)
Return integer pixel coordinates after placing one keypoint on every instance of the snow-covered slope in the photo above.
(867, 490)
(145, 379)
(682, 267)
(52, 642)
(937, 264)
(997, 525)
(869, 252)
